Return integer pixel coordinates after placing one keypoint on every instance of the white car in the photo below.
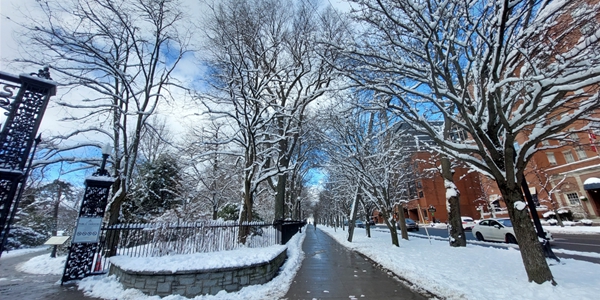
(467, 223)
(500, 230)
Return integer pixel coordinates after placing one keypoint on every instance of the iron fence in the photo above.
(160, 239)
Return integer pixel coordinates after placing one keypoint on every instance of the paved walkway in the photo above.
(16, 285)
(330, 271)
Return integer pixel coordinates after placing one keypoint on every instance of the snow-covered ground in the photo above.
(107, 287)
(19, 252)
(473, 272)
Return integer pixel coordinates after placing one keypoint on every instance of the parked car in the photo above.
(467, 223)
(500, 230)
(357, 223)
(410, 225)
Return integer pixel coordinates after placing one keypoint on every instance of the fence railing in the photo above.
(160, 239)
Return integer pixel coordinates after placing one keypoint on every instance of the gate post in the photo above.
(25, 112)
(87, 232)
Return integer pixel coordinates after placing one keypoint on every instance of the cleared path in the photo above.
(16, 285)
(330, 271)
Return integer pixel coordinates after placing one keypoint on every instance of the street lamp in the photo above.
(106, 150)
(431, 210)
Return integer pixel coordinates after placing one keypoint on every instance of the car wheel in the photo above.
(511, 239)
(479, 236)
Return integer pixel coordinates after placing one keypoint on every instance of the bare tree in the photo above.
(269, 66)
(213, 174)
(119, 57)
(366, 147)
(509, 73)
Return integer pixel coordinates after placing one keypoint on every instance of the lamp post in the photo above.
(431, 210)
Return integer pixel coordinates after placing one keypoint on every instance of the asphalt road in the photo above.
(570, 242)
(16, 285)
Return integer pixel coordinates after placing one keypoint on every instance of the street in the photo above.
(569, 242)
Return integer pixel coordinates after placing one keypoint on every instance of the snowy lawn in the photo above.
(44, 264)
(19, 252)
(472, 272)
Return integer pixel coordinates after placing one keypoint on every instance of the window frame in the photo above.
(553, 160)
(573, 198)
(569, 157)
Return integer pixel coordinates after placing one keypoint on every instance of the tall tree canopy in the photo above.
(510, 73)
(119, 57)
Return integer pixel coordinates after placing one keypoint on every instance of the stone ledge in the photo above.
(191, 283)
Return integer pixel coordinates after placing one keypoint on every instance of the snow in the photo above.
(19, 252)
(520, 205)
(199, 261)
(101, 178)
(472, 272)
(548, 213)
(44, 264)
(592, 180)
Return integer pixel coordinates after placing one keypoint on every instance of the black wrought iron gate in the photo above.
(25, 111)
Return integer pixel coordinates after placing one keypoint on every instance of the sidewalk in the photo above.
(15, 285)
(330, 271)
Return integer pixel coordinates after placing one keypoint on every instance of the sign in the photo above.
(87, 230)
(57, 240)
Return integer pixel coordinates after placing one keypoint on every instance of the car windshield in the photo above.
(409, 221)
(505, 222)
(467, 219)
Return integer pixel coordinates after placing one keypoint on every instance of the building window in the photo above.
(581, 153)
(574, 137)
(412, 190)
(569, 158)
(573, 198)
(419, 184)
(545, 143)
(551, 158)
(420, 194)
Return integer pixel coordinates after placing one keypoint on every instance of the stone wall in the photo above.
(191, 283)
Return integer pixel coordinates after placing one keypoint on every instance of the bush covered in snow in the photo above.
(25, 237)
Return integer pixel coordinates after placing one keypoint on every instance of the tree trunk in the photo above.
(532, 253)
(246, 214)
(353, 212)
(112, 237)
(456, 231)
(55, 218)
(391, 226)
(402, 222)
(280, 197)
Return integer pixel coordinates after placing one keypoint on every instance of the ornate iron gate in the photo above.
(25, 112)
(85, 242)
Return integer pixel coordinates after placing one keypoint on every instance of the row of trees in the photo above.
(290, 85)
